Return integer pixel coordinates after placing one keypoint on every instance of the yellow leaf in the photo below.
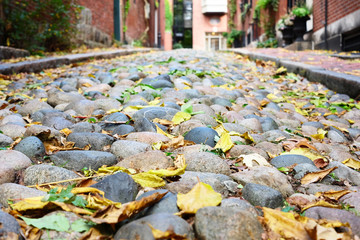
(254, 159)
(159, 130)
(220, 129)
(154, 102)
(201, 195)
(91, 75)
(351, 121)
(4, 82)
(180, 117)
(33, 203)
(307, 152)
(333, 194)
(281, 70)
(168, 234)
(133, 108)
(146, 179)
(247, 136)
(321, 203)
(86, 85)
(316, 176)
(302, 112)
(284, 224)
(113, 111)
(157, 145)
(320, 134)
(113, 214)
(66, 131)
(104, 170)
(162, 121)
(225, 143)
(179, 163)
(352, 163)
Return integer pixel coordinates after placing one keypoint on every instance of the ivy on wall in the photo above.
(168, 17)
(233, 9)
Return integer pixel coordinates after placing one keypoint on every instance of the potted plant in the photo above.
(301, 14)
(233, 38)
(285, 25)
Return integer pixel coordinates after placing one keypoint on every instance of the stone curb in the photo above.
(338, 82)
(53, 62)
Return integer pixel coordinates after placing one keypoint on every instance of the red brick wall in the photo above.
(336, 10)
(282, 10)
(102, 14)
(136, 22)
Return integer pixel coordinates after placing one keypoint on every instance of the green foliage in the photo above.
(177, 46)
(270, 43)
(198, 73)
(39, 25)
(127, 7)
(234, 34)
(301, 11)
(268, 19)
(232, 8)
(168, 17)
(246, 11)
(57, 222)
(65, 196)
(137, 43)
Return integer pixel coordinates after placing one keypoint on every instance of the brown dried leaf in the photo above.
(320, 163)
(298, 201)
(336, 195)
(321, 203)
(316, 176)
(113, 214)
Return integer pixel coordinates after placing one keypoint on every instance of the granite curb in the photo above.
(53, 62)
(338, 82)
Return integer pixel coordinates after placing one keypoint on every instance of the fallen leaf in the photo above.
(285, 224)
(146, 179)
(159, 130)
(336, 195)
(293, 226)
(66, 131)
(298, 201)
(113, 214)
(201, 195)
(350, 162)
(224, 143)
(320, 163)
(307, 152)
(321, 203)
(248, 137)
(57, 222)
(316, 176)
(164, 122)
(320, 134)
(180, 117)
(168, 234)
(253, 160)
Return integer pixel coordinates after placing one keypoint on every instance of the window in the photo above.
(215, 41)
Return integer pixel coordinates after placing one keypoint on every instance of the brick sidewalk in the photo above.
(315, 58)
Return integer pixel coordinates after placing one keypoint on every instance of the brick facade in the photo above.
(102, 14)
(336, 9)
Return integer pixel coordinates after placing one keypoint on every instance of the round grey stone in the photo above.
(77, 160)
(260, 195)
(201, 135)
(123, 129)
(290, 159)
(119, 187)
(43, 173)
(31, 147)
(168, 204)
(97, 141)
(8, 225)
(226, 223)
(139, 229)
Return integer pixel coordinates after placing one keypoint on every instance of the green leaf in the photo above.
(187, 107)
(57, 222)
(284, 169)
(79, 201)
(81, 225)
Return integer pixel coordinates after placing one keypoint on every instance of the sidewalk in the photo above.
(340, 75)
(53, 62)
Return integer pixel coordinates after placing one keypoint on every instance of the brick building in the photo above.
(341, 21)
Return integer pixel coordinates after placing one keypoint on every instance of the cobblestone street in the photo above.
(261, 137)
